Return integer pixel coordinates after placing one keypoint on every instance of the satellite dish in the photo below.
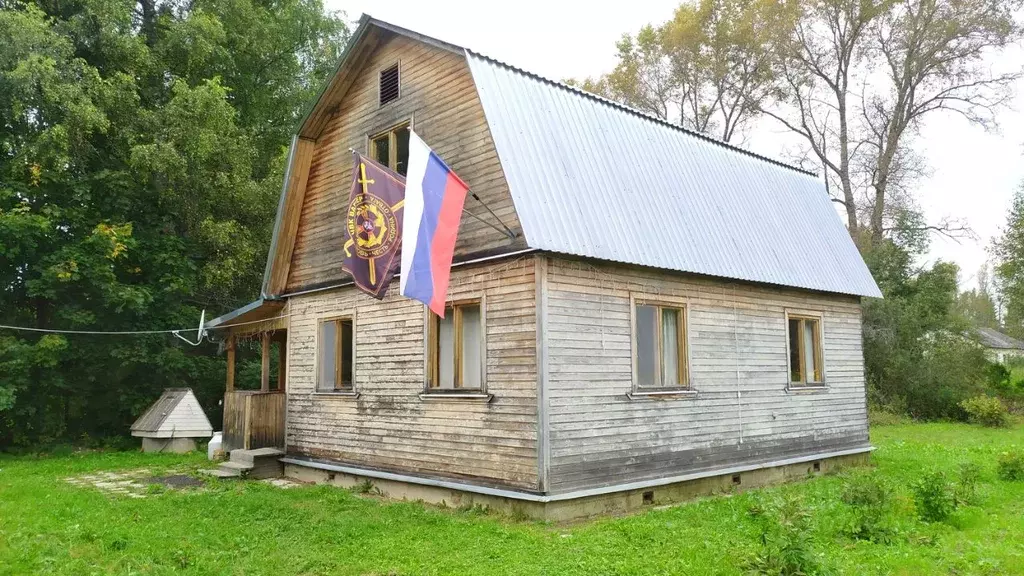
(200, 332)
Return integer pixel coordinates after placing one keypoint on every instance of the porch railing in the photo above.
(253, 419)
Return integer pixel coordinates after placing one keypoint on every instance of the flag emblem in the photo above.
(373, 225)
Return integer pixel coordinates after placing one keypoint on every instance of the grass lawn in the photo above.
(48, 526)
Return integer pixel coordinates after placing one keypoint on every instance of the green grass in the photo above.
(48, 526)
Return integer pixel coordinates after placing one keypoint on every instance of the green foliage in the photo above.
(966, 490)
(711, 68)
(784, 538)
(986, 410)
(1008, 251)
(141, 151)
(935, 497)
(871, 500)
(1011, 465)
(919, 357)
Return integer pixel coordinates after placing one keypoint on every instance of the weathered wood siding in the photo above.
(438, 96)
(737, 338)
(388, 426)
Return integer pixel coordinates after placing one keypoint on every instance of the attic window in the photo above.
(389, 84)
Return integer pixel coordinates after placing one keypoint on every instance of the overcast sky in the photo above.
(974, 173)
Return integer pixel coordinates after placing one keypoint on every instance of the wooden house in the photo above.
(636, 312)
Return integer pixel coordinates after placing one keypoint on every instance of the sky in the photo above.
(973, 173)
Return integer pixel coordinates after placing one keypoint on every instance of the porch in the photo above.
(254, 418)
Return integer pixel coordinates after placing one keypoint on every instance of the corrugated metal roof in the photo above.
(994, 339)
(154, 417)
(593, 178)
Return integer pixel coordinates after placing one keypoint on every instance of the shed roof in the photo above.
(594, 178)
(995, 339)
(174, 405)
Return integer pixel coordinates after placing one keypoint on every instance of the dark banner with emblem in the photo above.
(373, 226)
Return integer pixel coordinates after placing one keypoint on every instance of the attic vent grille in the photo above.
(389, 84)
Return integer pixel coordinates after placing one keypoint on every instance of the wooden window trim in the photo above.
(682, 354)
(819, 350)
(380, 72)
(432, 349)
(391, 133)
(338, 354)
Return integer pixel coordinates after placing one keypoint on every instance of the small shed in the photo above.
(173, 423)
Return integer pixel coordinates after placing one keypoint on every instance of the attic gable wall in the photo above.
(439, 97)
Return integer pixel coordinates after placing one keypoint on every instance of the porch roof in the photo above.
(257, 316)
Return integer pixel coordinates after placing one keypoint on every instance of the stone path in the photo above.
(136, 483)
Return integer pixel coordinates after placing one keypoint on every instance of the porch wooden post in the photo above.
(282, 362)
(265, 367)
(231, 364)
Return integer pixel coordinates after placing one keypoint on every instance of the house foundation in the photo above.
(612, 500)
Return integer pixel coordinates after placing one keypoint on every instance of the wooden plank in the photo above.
(288, 219)
(439, 98)
(265, 362)
(388, 426)
(282, 363)
(230, 384)
(737, 361)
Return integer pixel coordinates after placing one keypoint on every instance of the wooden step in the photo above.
(250, 456)
(219, 473)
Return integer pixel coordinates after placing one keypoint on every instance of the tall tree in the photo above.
(1008, 252)
(141, 150)
(710, 68)
(978, 305)
(861, 77)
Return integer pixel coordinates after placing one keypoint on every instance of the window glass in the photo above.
(471, 339)
(795, 363)
(810, 350)
(647, 345)
(401, 150)
(381, 150)
(670, 374)
(347, 346)
(446, 351)
(326, 352)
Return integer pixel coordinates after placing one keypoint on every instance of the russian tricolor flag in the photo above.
(434, 196)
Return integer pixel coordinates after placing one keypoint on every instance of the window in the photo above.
(391, 148)
(805, 360)
(455, 348)
(660, 346)
(388, 89)
(335, 348)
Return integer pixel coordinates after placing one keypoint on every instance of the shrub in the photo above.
(966, 490)
(785, 539)
(935, 497)
(1011, 465)
(871, 501)
(986, 410)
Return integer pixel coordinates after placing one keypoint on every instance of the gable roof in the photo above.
(176, 412)
(994, 339)
(593, 178)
